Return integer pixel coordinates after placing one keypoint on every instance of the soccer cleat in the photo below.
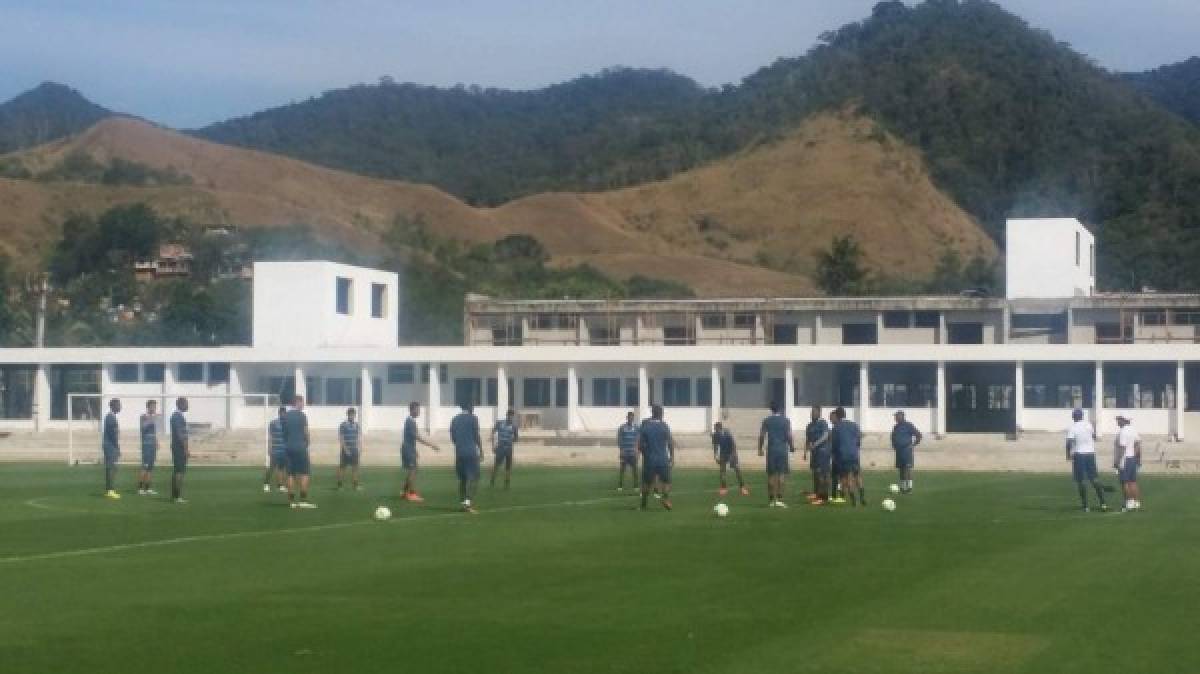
(266, 488)
(817, 502)
(112, 494)
(722, 491)
(780, 504)
(282, 489)
(1103, 507)
(745, 491)
(658, 496)
(180, 501)
(838, 500)
(306, 504)
(1087, 509)
(293, 504)
(358, 487)
(620, 489)
(151, 492)
(413, 497)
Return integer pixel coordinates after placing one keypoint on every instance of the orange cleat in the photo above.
(722, 491)
(413, 497)
(745, 491)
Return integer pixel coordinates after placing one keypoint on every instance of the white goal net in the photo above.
(223, 429)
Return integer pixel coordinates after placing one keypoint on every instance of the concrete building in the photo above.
(955, 364)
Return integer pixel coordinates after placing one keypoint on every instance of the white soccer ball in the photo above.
(895, 488)
(383, 513)
(721, 510)
(888, 504)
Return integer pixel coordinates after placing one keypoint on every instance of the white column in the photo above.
(789, 390)
(502, 402)
(572, 399)
(643, 393)
(879, 327)
(106, 388)
(942, 337)
(1019, 396)
(234, 387)
(433, 407)
(365, 407)
(1180, 400)
(864, 395)
(714, 407)
(816, 335)
(301, 384)
(1098, 397)
(942, 399)
(41, 398)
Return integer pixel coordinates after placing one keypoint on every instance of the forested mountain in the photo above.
(47, 112)
(1176, 87)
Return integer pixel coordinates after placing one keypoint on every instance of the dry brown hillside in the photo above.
(713, 228)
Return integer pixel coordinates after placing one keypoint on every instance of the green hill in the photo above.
(47, 112)
(1176, 87)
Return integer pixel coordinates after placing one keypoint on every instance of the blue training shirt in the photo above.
(506, 434)
(464, 433)
(627, 435)
(348, 433)
(814, 432)
(904, 434)
(656, 441)
(275, 432)
(179, 431)
(778, 430)
(111, 440)
(409, 443)
(295, 427)
(149, 431)
(847, 439)
(723, 443)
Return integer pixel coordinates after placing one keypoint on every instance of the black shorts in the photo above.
(348, 459)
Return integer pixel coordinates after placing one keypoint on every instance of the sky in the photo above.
(186, 64)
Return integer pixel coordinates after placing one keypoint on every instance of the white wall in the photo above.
(295, 305)
(1040, 258)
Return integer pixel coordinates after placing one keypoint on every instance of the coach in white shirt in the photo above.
(1081, 452)
(1127, 458)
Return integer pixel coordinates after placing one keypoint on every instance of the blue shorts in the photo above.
(179, 460)
(149, 456)
(1083, 467)
(661, 470)
(849, 466)
(348, 459)
(408, 459)
(819, 462)
(778, 464)
(297, 460)
(504, 455)
(1128, 470)
(111, 455)
(279, 460)
(904, 457)
(466, 467)
(629, 459)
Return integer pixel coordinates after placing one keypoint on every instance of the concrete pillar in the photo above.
(643, 393)
(366, 406)
(581, 331)
(1180, 400)
(301, 384)
(1071, 325)
(1098, 397)
(942, 338)
(106, 389)
(234, 387)
(714, 411)
(502, 402)
(698, 329)
(789, 390)
(572, 399)
(879, 327)
(864, 394)
(638, 327)
(942, 399)
(816, 332)
(1019, 396)
(41, 398)
(1005, 326)
(433, 407)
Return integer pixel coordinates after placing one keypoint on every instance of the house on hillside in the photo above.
(174, 260)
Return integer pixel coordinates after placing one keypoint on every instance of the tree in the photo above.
(839, 269)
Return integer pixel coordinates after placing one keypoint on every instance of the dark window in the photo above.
(606, 392)
(154, 372)
(704, 391)
(631, 392)
(560, 392)
(903, 385)
(16, 392)
(218, 373)
(191, 373)
(743, 321)
(747, 373)
(1185, 318)
(536, 392)
(443, 373)
(677, 392)
(926, 319)
(400, 374)
(467, 391)
(785, 333)
(378, 300)
(860, 333)
(345, 291)
(125, 373)
(897, 319)
(965, 333)
(1112, 333)
(68, 379)
(493, 391)
(376, 391)
(1154, 318)
(714, 321)
(678, 335)
(1041, 322)
(604, 336)
(341, 391)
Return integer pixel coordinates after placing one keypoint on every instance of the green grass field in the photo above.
(973, 573)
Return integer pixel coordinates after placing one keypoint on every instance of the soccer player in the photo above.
(775, 437)
(847, 447)
(408, 452)
(503, 438)
(837, 491)
(725, 454)
(468, 454)
(110, 444)
(277, 452)
(349, 434)
(1081, 452)
(180, 450)
(296, 437)
(905, 438)
(627, 452)
(816, 449)
(1127, 459)
(148, 425)
(657, 447)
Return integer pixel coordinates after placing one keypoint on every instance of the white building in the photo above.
(1049, 257)
(955, 364)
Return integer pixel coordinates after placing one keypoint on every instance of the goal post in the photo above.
(223, 429)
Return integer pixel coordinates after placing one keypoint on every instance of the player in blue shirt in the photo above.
(503, 438)
(148, 429)
(350, 449)
(468, 454)
(110, 445)
(276, 452)
(817, 450)
(180, 450)
(408, 452)
(296, 437)
(847, 446)
(627, 439)
(657, 447)
(775, 437)
(905, 438)
(725, 454)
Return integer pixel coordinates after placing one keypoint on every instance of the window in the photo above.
(125, 373)
(16, 392)
(604, 336)
(536, 392)
(68, 379)
(1077, 244)
(218, 373)
(400, 374)
(860, 333)
(1185, 318)
(467, 391)
(744, 321)
(1110, 333)
(631, 392)
(704, 392)
(1154, 318)
(1058, 386)
(341, 391)
(345, 296)
(191, 373)
(747, 373)
(785, 333)
(443, 373)
(678, 335)
(378, 300)
(376, 391)
(926, 319)
(560, 392)
(714, 321)
(677, 392)
(897, 319)
(965, 333)
(153, 372)
(606, 392)
(553, 321)
(1041, 322)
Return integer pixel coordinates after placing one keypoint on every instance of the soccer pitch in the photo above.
(976, 572)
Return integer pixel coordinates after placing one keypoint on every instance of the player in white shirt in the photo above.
(1127, 458)
(1081, 452)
